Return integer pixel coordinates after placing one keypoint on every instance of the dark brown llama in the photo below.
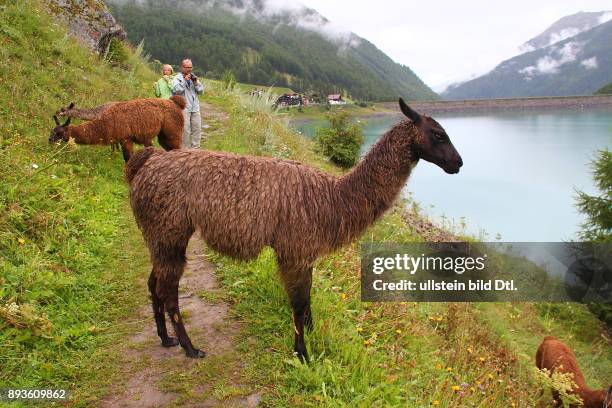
(71, 111)
(554, 355)
(129, 122)
(240, 204)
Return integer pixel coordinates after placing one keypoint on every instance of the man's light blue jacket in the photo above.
(189, 91)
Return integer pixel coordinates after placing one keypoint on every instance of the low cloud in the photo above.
(590, 63)
(605, 17)
(550, 64)
(297, 15)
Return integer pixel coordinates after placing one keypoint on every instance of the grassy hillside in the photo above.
(266, 51)
(604, 90)
(69, 249)
(73, 269)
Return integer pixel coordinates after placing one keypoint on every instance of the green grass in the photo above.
(70, 254)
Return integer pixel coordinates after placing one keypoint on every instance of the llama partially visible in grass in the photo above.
(239, 204)
(554, 355)
(136, 121)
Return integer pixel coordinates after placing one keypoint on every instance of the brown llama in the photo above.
(239, 204)
(129, 122)
(554, 355)
(84, 113)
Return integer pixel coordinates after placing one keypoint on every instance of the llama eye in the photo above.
(439, 137)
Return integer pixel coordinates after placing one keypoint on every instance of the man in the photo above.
(189, 86)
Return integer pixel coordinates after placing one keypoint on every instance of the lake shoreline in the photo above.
(387, 109)
(509, 104)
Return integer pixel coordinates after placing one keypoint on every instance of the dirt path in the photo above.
(213, 120)
(154, 376)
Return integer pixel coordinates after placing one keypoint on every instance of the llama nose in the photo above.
(460, 162)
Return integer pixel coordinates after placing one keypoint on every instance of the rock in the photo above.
(89, 21)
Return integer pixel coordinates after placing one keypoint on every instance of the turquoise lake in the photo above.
(520, 171)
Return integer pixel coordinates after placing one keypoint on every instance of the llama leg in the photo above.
(172, 307)
(298, 282)
(308, 319)
(127, 149)
(158, 312)
(163, 142)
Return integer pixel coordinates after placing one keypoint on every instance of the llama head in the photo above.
(431, 141)
(59, 132)
(64, 111)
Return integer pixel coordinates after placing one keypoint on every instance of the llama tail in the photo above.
(179, 100)
(138, 160)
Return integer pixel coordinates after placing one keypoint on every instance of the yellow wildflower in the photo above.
(435, 403)
(456, 388)
(21, 241)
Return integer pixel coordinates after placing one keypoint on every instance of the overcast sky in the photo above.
(449, 41)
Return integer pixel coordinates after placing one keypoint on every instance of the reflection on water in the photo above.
(519, 174)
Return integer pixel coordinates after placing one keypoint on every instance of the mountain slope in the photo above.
(297, 48)
(578, 65)
(567, 27)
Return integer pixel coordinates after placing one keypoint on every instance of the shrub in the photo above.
(341, 142)
(229, 80)
(118, 53)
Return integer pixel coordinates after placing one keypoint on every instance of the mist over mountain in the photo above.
(567, 27)
(575, 65)
(268, 42)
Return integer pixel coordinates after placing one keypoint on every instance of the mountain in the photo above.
(567, 27)
(578, 65)
(287, 46)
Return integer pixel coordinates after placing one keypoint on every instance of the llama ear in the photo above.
(56, 120)
(67, 122)
(411, 114)
(71, 105)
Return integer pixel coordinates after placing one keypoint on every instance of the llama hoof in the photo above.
(170, 342)
(195, 353)
(302, 356)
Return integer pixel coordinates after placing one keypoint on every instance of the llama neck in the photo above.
(373, 185)
(86, 133)
(82, 113)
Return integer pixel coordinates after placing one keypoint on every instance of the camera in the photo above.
(193, 77)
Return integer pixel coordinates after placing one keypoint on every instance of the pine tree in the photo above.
(598, 208)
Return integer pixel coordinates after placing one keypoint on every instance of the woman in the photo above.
(163, 87)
